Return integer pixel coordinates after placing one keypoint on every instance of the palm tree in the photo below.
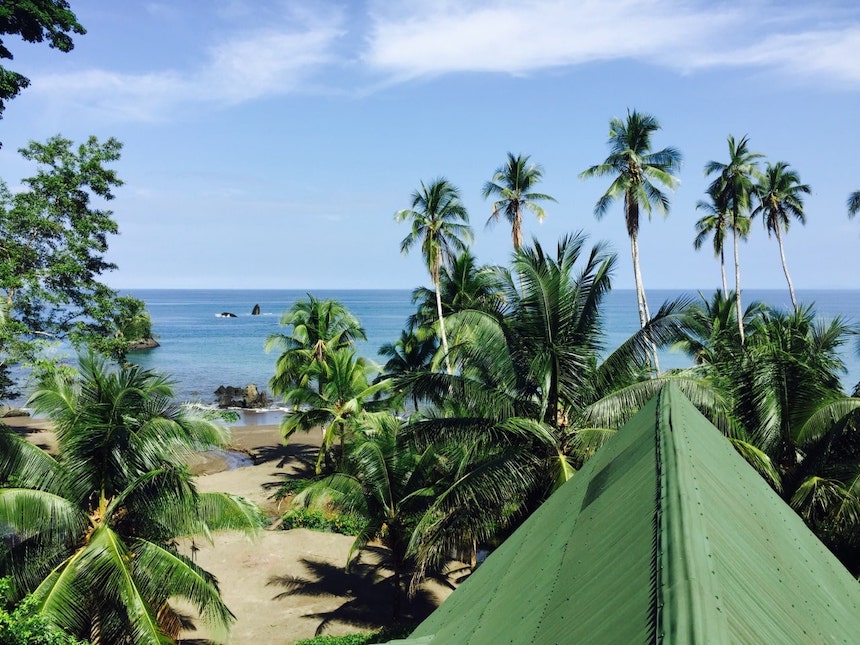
(412, 352)
(637, 173)
(854, 203)
(531, 393)
(779, 193)
(714, 222)
(511, 186)
(95, 527)
(440, 225)
(319, 327)
(386, 482)
(734, 186)
(346, 396)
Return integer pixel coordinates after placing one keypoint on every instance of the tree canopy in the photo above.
(34, 21)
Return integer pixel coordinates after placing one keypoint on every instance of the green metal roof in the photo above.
(665, 535)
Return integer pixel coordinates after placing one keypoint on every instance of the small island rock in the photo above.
(256, 310)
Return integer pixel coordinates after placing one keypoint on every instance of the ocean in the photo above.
(201, 351)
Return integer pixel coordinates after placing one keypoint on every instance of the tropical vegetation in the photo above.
(97, 525)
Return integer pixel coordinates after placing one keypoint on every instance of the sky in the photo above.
(269, 144)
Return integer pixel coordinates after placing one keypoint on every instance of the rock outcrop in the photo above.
(143, 343)
(248, 397)
(256, 310)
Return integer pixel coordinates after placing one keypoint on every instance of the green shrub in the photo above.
(317, 520)
(366, 638)
(21, 624)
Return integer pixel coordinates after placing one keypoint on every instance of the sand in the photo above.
(282, 586)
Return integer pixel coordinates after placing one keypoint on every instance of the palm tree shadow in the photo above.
(286, 455)
(365, 589)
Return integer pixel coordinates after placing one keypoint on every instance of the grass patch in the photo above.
(317, 520)
(366, 638)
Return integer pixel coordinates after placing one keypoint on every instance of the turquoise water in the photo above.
(202, 351)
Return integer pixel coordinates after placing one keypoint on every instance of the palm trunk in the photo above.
(785, 269)
(442, 333)
(723, 272)
(738, 309)
(644, 314)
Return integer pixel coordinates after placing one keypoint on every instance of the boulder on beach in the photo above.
(256, 310)
(248, 397)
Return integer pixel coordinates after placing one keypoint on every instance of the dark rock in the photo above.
(225, 314)
(248, 397)
(143, 343)
(256, 310)
(9, 411)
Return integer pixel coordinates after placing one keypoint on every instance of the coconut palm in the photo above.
(734, 186)
(412, 352)
(637, 173)
(531, 394)
(511, 187)
(95, 526)
(854, 203)
(319, 327)
(387, 483)
(346, 396)
(440, 226)
(779, 193)
(714, 223)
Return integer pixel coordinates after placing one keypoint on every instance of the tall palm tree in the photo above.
(854, 203)
(440, 226)
(637, 174)
(779, 193)
(95, 527)
(714, 222)
(511, 187)
(318, 327)
(734, 185)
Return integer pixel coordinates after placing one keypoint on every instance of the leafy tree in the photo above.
(637, 173)
(714, 222)
(53, 251)
(319, 328)
(854, 203)
(346, 396)
(21, 624)
(95, 527)
(440, 225)
(780, 196)
(733, 186)
(383, 480)
(511, 187)
(34, 21)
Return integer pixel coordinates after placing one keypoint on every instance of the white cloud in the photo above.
(268, 60)
(429, 38)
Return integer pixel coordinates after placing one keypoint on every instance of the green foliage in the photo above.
(21, 624)
(367, 638)
(322, 520)
(101, 519)
(34, 21)
(55, 234)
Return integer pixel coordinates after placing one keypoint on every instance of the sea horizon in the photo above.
(201, 351)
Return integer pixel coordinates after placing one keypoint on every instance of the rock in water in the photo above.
(225, 314)
(256, 310)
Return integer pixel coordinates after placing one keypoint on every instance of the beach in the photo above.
(257, 574)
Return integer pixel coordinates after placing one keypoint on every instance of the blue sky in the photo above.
(269, 144)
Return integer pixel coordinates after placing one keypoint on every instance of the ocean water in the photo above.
(201, 351)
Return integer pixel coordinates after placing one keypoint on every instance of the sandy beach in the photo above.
(282, 586)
